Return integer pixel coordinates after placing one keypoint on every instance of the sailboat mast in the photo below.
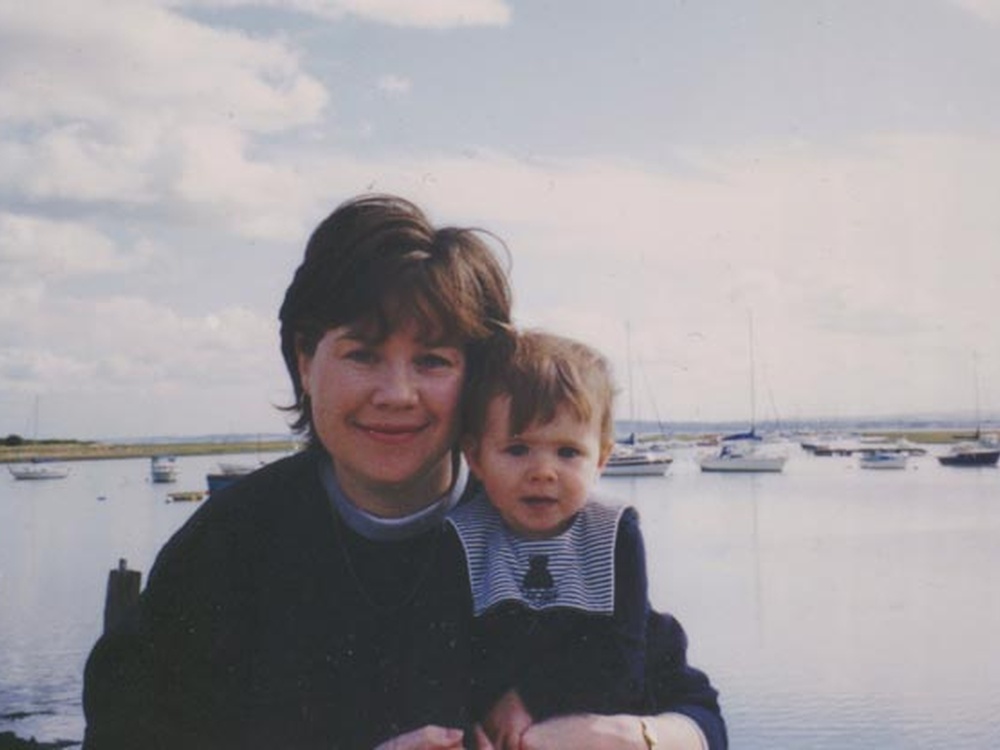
(628, 369)
(753, 383)
(975, 384)
(34, 418)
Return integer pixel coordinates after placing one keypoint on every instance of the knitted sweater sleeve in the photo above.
(673, 685)
(597, 663)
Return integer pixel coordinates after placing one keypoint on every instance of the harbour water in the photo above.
(834, 607)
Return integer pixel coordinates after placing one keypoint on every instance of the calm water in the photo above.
(834, 607)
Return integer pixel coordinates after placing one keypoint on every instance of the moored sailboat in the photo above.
(163, 469)
(979, 451)
(630, 457)
(742, 456)
(39, 470)
(740, 452)
(628, 460)
(882, 459)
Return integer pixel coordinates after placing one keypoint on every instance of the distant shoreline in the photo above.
(95, 451)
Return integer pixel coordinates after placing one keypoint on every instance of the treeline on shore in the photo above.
(10, 741)
(926, 437)
(73, 450)
(76, 450)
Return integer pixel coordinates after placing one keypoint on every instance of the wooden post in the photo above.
(123, 592)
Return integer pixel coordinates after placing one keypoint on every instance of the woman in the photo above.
(318, 602)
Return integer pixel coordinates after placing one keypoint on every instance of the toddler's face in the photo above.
(540, 478)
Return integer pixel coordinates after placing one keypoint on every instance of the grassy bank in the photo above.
(926, 437)
(923, 436)
(10, 741)
(91, 451)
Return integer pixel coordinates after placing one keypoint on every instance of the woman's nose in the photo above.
(395, 386)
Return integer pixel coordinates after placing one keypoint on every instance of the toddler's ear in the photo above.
(602, 461)
(470, 449)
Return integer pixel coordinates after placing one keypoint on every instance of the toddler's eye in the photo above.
(568, 451)
(516, 449)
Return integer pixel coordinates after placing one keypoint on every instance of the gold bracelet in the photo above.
(648, 734)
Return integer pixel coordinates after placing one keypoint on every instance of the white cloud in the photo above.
(213, 178)
(75, 162)
(850, 261)
(394, 85)
(29, 370)
(433, 14)
(178, 147)
(988, 10)
(99, 346)
(33, 249)
(127, 103)
(98, 60)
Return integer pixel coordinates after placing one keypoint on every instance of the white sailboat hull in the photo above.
(163, 469)
(646, 468)
(739, 452)
(743, 463)
(881, 461)
(38, 471)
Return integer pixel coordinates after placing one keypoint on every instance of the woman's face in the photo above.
(387, 412)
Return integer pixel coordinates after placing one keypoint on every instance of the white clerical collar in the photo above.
(381, 529)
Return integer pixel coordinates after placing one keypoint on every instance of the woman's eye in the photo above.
(516, 449)
(568, 451)
(433, 361)
(361, 356)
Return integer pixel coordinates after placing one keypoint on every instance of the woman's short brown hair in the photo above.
(378, 262)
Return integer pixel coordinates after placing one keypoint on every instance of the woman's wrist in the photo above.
(671, 731)
(649, 736)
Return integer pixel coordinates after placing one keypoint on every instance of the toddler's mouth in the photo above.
(539, 500)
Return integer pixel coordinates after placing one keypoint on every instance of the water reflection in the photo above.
(835, 608)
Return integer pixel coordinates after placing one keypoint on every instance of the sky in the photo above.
(757, 209)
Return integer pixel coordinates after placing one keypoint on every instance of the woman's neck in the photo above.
(408, 515)
(399, 500)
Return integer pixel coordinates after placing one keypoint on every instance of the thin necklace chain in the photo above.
(410, 595)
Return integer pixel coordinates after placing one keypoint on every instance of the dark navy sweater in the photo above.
(267, 623)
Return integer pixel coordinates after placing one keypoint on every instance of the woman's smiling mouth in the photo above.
(392, 433)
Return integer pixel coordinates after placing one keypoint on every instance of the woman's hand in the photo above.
(507, 721)
(620, 732)
(585, 732)
(435, 738)
(426, 738)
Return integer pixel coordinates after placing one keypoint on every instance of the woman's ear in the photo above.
(302, 361)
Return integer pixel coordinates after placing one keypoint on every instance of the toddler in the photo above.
(558, 580)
